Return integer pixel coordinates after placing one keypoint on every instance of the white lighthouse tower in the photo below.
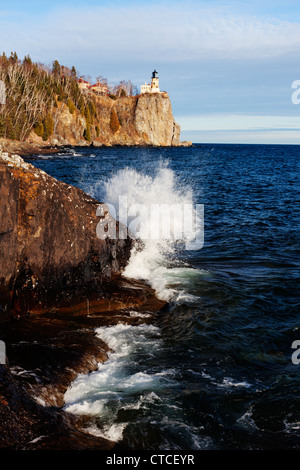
(153, 87)
(155, 82)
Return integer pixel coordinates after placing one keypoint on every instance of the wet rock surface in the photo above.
(155, 121)
(58, 282)
(45, 353)
(49, 248)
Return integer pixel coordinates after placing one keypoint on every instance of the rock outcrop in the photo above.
(146, 119)
(45, 353)
(58, 281)
(155, 121)
(48, 240)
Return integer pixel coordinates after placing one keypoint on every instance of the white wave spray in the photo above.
(162, 232)
(131, 382)
(121, 383)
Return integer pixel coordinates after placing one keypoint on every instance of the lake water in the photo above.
(214, 371)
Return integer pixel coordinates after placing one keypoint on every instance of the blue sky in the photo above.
(228, 66)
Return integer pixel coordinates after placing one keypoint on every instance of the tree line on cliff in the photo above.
(34, 93)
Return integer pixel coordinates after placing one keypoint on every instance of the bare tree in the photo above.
(102, 80)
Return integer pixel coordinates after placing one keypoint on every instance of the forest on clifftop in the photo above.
(35, 93)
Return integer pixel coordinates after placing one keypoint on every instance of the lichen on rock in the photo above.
(48, 239)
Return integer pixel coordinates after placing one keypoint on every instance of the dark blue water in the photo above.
(215, 371)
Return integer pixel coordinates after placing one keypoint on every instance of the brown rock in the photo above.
(45, 353)
(146, 119)
(155, 121)
(186, 143)
(48, 241)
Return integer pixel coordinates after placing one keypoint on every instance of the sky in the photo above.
(228, 66)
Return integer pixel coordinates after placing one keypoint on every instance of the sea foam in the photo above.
(121, 383)
(155, 259)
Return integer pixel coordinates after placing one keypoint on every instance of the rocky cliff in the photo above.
(154, 119)
(49, 248)
(58, 281)
(146, 119)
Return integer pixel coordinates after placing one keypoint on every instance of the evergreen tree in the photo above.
(48, 127)
(2, 125)
(27, 60)
(33, 94)
(87, 134)
(13, 57)
(114, 121)
(10, 130)
(56, 68)
(39, 129)
(87, 115)
(73, 72)
(71, 106)
(92, 108)
(4, 59)
(82, 109)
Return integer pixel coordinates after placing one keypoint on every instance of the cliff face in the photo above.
(60, 281)
(146, 119)
(154, 120)
(48, 240)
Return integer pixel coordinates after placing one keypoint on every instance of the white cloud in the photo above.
(237, 122)
(212, 55)
(238, 128)
(184, 32)
(243, 137)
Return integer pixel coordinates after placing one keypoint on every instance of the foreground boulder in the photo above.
(58, 282)
(49, 248)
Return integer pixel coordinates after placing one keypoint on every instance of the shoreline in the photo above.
(26, 149)
(48, 330)
(46, 352)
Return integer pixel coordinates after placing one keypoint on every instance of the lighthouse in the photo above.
(154, 82)
(153, 87)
